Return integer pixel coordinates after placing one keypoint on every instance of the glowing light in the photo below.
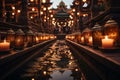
(13, 8)
(18, 11)
(33, 9)
(31, 0)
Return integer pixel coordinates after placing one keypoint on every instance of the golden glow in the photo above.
(31, 17)
(41, 13)
(84, 0)
(51, 15)
(13, 13)
(78, 13)
(50, 11)
(76, 70)
(73, 10)
(18, 11)
(33, 79)
(107, 43)
(31, 0)
(48, 8)
(13, 8)
(33, 9)
(44, 1)
(84, 15)
(44, 9)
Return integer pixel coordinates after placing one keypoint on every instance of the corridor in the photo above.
(59, 39)
(56, 63)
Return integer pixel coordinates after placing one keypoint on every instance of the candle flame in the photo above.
(106, 37)
(5, 41)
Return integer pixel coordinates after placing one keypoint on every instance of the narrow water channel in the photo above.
(57, 63)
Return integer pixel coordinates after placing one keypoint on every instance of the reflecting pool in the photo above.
(57, 63)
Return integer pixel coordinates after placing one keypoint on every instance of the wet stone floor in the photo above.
(57, 63)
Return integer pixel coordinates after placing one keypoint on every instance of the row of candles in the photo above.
(105, 37)
(20, 40)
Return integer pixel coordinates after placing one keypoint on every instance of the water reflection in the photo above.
(57, 63)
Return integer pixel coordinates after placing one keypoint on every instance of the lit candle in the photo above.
(4, 46)
(37, 40)
(90, 40)
(107, 43)
(82, 39)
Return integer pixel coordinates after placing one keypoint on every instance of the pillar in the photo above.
(23, 19)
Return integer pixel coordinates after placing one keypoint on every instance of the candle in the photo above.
(107, 43)
(4, 46)
(37, 40)
(82, 39)
(90, 40)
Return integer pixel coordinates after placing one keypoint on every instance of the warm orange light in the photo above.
(51, 15)
(78, 13)
(33, 9)
(31, 17)
(13, 8)
(18, 11)
(84, 0)
(43, 1)
(31, 0)
(4, 45)
(13, 13)
(107, 43)
(44, 9)
(41, 13)
(73, 10)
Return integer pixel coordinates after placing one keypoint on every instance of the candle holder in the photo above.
(19, 39)
(29, 38)
(111, 29)
(97, 36)
(86, 34)
(11, 38)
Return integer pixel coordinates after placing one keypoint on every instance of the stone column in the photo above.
(23, 19)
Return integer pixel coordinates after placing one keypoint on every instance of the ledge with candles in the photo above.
(109, 59)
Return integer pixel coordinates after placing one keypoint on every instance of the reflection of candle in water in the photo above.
(90, 40)
(107, 43)
(4, 46)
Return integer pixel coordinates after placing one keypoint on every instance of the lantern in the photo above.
(11, 37)
(29, 38)
(97, 35)
(86, 35)
(111, 29)
(19, 39)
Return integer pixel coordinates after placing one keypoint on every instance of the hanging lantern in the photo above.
(86, 35)
(11, 37)
(111, 29)
(19, 39)
(29, 38)
(97, 35)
